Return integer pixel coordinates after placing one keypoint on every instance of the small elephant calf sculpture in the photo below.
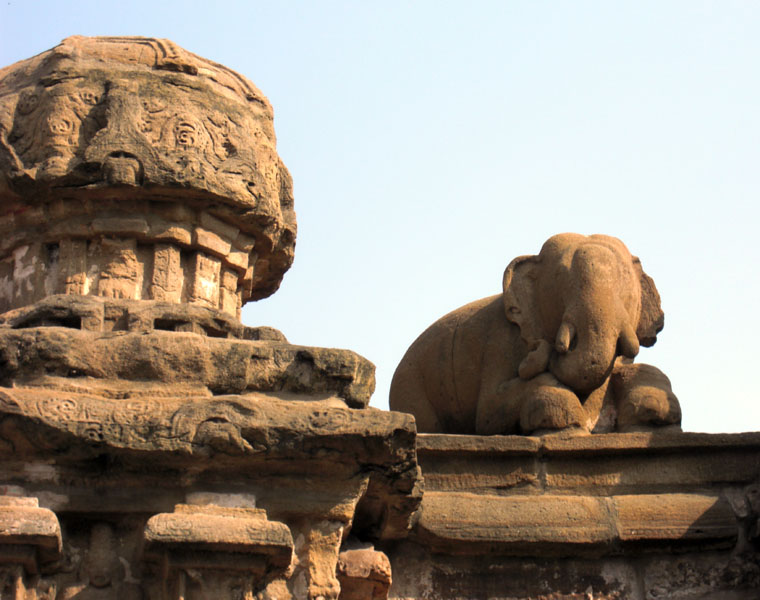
(552, 352)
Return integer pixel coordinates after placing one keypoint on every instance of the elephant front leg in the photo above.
(534, 406)
(643, 398)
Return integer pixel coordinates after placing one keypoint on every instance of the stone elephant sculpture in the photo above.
(552, 352)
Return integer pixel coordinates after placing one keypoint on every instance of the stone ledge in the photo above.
(596, 465)
(144, 352)
(627, 443)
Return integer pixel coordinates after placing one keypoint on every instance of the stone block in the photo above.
(244, 242)
(176, 232)
(30, 263)
(120, 272)
(229, 296)
(478, 523)
(204, 283)
(222, 229)
(519, 474)
(209, 551)
(6, 284)
(211, 528)
(76, 226)
(238, 258)
(675, 518)
(120, 226)
(650, 463)
(210, 242)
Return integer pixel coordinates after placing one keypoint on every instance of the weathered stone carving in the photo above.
(101, 575)
(549, 353)
(131, 168)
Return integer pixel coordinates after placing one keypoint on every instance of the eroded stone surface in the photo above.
(133, 365)
(131, 168)
(363, 572)
(418, 574)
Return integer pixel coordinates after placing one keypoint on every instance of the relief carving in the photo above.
(112, 113)
(101, 574)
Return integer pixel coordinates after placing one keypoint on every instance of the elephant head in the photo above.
(580, 303)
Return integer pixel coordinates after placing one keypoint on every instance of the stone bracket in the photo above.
(29, 535)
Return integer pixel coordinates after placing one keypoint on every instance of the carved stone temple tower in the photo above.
(154, 447)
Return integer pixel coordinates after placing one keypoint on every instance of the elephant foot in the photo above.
(644, 399)
(550, 407)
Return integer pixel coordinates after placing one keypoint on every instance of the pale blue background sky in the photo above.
(432, 142)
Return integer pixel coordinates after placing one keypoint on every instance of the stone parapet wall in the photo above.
(635, 516)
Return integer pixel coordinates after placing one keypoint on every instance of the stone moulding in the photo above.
(137, 250)
(318, 470)
(565, 524)
(601, 494)
(635, 516)
(192, 443)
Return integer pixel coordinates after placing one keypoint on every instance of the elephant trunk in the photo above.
(597, 325)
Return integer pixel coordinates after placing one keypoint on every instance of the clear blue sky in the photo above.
(432, 142)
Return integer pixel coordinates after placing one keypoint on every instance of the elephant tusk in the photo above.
(565, 337)
(628, 343)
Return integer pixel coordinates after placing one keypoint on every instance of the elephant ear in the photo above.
(521, 308)
(652, 319)
(520, 296)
